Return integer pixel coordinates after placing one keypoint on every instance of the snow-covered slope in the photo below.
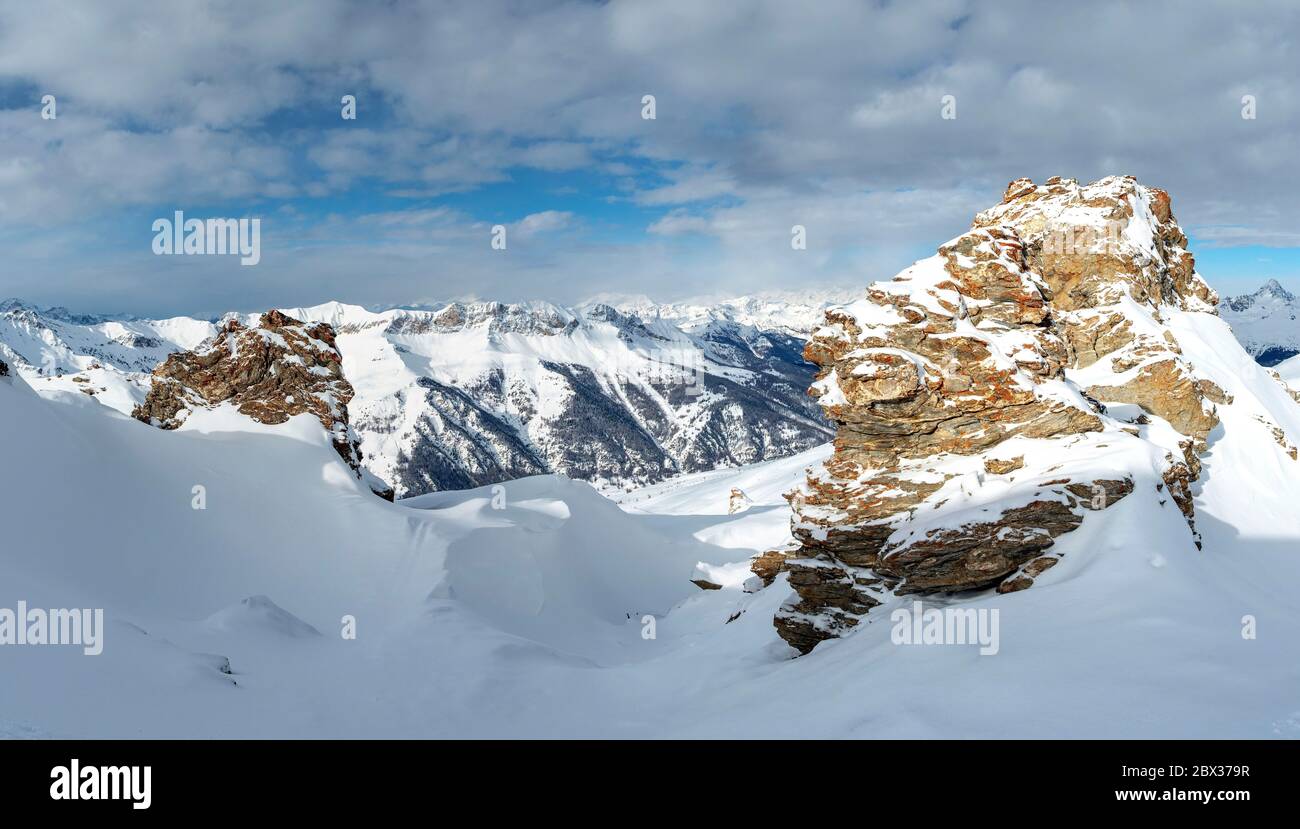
(528, 619)
(1265, 322)
(1289, 371)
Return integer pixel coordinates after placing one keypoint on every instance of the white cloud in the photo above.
(547, 221)
(827, 115)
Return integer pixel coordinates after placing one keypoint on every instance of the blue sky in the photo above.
(529, 115)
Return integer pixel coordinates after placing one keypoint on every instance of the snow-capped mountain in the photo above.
(1265, 322)
(469, 394)
(793, 312)
(108, 358)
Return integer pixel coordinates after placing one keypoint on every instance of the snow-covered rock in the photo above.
(270, 372)
(966, 392)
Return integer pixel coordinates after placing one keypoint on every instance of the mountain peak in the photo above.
(1274, 288)
(965, 445)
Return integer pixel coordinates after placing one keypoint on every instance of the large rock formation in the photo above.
(963, 447)
(271, 372)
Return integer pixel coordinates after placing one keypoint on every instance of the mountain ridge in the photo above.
(469, 393)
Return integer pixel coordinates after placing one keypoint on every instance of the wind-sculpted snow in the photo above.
(540, 609)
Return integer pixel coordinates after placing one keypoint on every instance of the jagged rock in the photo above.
(1295, 395)
(768, 565)
(1016, 584)
(1279, 437)
(1040, 565)
(270, 373)
(1001, 466)
(703, 577)
(4, 369)
(737, 501)
(967, 350)
(1165, 389)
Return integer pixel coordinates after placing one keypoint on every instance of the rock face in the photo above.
(965, 395)
(271, 372)
(4, 369)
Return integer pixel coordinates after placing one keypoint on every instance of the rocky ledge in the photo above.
(270, 372)
(963, 449)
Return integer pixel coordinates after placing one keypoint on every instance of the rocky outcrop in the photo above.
(767, 566)
(4, 369)
(968, 395)
(737, 501)
(1295, 395)
(269, 372)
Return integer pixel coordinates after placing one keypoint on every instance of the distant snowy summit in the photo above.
(791, 312)
(1265, 322)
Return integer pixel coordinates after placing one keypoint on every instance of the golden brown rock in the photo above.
(967, 350)
(271, 372)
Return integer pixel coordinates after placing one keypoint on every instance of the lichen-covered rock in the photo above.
(270, 372)
(1012, 337)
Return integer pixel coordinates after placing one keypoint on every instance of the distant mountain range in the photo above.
(1265, 322)
(468, 394)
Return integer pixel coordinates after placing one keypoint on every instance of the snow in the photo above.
(1289, 369)
(526, 609)
(793, 312)
(483, 345)
(1265, 321)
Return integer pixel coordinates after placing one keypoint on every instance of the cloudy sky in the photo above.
(826, 114)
